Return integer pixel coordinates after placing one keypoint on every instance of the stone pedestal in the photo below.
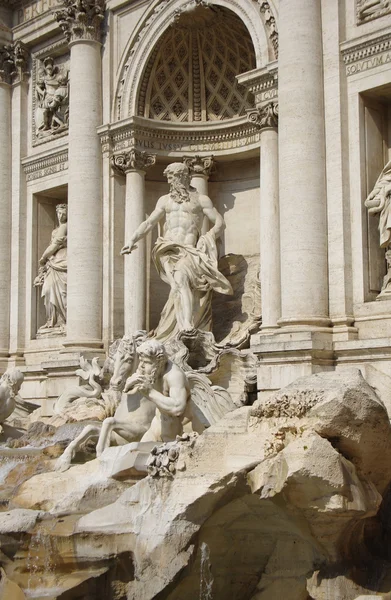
(133, 164)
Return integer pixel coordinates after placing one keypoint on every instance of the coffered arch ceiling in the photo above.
(191, 73)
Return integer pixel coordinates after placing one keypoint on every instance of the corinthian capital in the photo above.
(132, 160)
(199, 165)
(81, 19)
(13, 62)
(265, 116)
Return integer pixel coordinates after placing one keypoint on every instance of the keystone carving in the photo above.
(13, 63)
(265, 116)
(132, 160)
(81, 19)
(199, 165)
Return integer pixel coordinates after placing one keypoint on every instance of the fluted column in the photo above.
(266, 118)
(133, 165)
(6, 68)
(81, 24)
(304, 287)
(200, 168)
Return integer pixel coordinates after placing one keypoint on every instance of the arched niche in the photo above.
(157, 20)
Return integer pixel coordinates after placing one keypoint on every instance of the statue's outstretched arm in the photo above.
(145, 227)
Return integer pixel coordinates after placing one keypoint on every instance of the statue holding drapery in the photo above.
(52, 276)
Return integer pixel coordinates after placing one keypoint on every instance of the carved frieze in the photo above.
(81, 19)
(132, 160)
(200, 165)
(366, 55)
(367, 10)
(48, 165)
(264, 116)
(163, 140)
(51, 97)
(262, 83)
(13, 63)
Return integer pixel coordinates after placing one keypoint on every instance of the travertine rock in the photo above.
(277, 500)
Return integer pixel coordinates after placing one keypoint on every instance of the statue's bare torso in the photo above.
(183, 220)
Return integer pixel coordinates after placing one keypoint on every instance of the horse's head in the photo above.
(124, 358)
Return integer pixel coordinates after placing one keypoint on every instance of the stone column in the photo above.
(6, 67)
(18, 59)
(200, 169)
(266, 118)
(81, 24)
(133, 164)
(303, 222)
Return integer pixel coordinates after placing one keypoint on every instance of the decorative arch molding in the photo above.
(157, 19)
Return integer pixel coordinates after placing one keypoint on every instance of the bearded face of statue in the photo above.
(179, 186)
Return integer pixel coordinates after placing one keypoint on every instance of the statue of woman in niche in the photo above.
(52, 274)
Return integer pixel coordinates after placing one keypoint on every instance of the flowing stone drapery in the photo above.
(81, 24)
(303, 222)
(133, 165)
(266, 118)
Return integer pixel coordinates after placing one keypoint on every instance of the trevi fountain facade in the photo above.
(195, 299)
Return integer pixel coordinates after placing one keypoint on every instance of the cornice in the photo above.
(263, 83)
(162, 137)
(42, 165)
(366, 53)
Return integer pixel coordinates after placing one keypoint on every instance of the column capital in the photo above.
(265, 117)
(13, 63)
(200, 165)
(132, 160)
(81, 20)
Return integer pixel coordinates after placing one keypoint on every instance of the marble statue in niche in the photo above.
(52, 276)
(185, 258)
(379, 203)
(52, 99)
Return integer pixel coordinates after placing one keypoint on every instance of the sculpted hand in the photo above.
(137, 383)
(129, 248)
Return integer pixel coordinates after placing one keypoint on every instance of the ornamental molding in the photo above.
(367, 54)
(263, 83)
(156, 20)
(270, 24)
(132, 160)
(42, 166)
(200, 165)
(13, 63)
(264, 117)
(143, 135)
(367, 10)
(81, 19)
